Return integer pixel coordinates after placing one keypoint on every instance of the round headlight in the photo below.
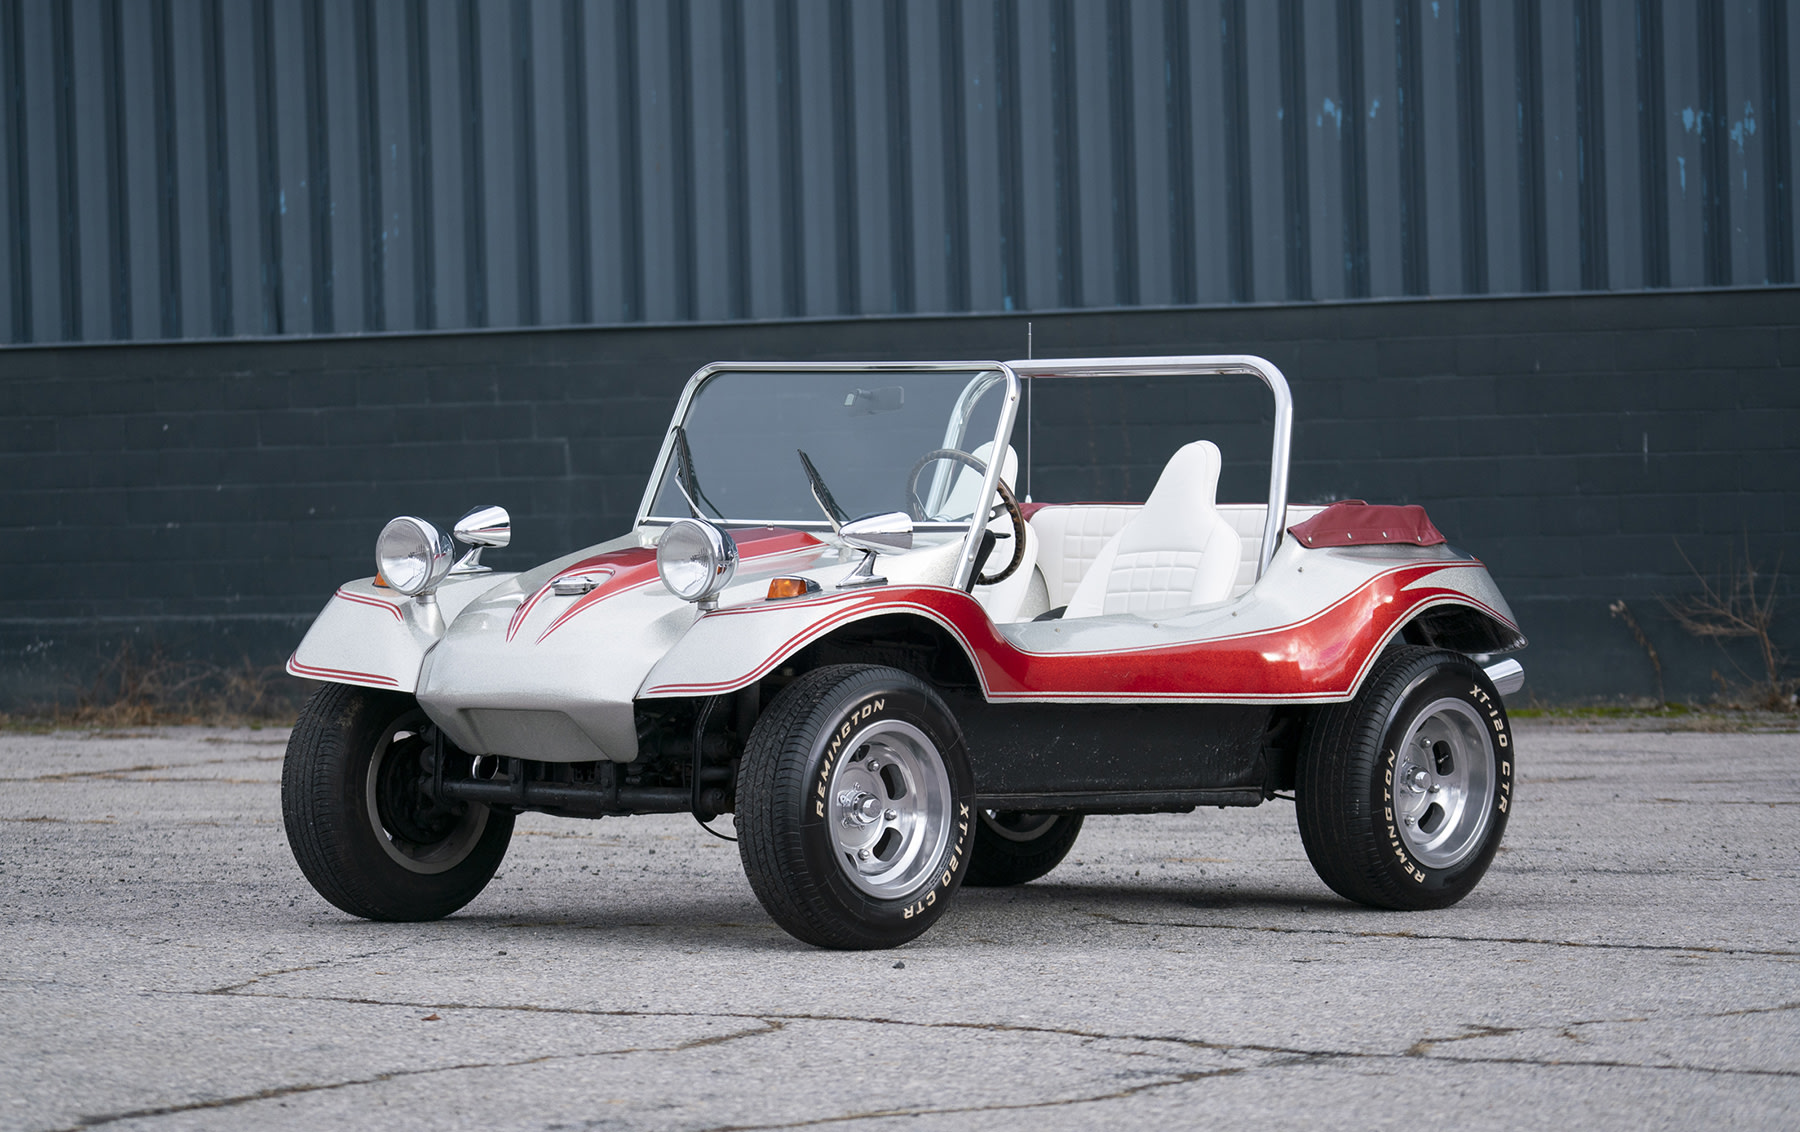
(696, 560)
(412, 555)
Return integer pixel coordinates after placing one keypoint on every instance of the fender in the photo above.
(370, 636)
(1309, 637)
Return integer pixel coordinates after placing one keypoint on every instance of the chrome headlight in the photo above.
(696, 560)
(412, 555)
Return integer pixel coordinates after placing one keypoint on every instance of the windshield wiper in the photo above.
(822, 494)
(686, 481)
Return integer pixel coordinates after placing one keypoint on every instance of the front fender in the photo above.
(370, 636)
(732, 648)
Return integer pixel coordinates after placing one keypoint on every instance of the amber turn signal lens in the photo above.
(791, 587)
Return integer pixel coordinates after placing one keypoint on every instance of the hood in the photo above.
(529, 672)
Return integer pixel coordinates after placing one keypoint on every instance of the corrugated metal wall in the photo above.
(202, 168)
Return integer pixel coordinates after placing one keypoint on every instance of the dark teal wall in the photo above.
(210, 496)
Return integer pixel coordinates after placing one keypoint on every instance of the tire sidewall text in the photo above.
(1474, 689)
(846, 716)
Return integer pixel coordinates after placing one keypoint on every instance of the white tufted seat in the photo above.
(1175, 552)
(1071, 537)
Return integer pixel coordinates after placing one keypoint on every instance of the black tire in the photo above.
(1426, 733)
(1014, 848)
(362, 829)
(854, 807)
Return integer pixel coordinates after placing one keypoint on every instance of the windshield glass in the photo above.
(867, 435)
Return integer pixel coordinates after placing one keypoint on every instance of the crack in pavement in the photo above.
(1432, 937)
(99, 1119)
(1062, 1031)
(232, 989)
(772, 1022)
(884, 1114)
(1755, 1010)
(1424, 1046)
(114, 772)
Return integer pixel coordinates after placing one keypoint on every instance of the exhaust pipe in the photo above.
(484, 767)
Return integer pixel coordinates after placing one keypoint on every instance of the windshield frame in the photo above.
(1008, 411)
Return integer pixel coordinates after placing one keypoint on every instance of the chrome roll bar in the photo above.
(1200, 365)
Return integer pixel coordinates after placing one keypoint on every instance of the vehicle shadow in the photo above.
(1040, 910)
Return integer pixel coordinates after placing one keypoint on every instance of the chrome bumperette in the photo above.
(1508, 676)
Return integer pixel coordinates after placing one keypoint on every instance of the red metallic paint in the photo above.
(1318, 658)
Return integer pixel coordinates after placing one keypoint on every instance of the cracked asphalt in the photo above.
(1631, 961)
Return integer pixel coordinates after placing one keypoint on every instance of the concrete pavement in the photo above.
(1632, 960)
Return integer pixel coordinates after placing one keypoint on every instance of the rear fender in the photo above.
(373, 637)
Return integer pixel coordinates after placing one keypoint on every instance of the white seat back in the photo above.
(1247, 520)
(1070, 537)
(1176, 552)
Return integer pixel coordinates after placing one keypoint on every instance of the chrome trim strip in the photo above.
(1508, 676)
(810, 525)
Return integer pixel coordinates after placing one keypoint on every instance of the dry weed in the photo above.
(133, 690)
(1739, 603)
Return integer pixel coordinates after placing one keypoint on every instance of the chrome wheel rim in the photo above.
(1015, 826)
(888, 810)
(1443, 784)
(419, 833)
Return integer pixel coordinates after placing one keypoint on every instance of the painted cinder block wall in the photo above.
(205, 498)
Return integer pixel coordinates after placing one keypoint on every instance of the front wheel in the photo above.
(363, 825)
(1403, 793)
(853, 807)
(1013, 848)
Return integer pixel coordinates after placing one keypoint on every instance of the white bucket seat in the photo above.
(1175, 553)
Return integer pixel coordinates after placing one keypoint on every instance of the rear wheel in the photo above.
(1013, 848)
(361, 820)
(853, 808)
(1403, 793)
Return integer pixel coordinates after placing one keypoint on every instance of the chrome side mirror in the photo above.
(874, 534)
(481, 528)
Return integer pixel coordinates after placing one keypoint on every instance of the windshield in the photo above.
(742, 451)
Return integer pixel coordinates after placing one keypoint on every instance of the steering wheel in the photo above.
(916, 507)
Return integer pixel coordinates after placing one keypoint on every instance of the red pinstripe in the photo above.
(365, 599)
(338, 675)
(1319, 657)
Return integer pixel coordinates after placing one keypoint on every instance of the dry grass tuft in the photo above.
(133, 690)
(1738, 603)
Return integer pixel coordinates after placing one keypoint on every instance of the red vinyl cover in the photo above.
(1352, 522)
